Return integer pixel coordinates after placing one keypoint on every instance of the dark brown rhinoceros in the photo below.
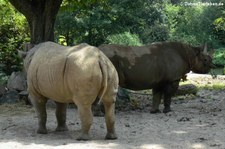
(158, 66)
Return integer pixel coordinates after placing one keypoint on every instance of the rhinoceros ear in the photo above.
(22, 54)
(27, 46)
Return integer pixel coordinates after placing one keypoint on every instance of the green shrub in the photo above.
(3, 78)
(13, 33)
(125, 38)
(9, 59)
(219, 57)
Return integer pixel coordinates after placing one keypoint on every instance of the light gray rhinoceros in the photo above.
(76, 74)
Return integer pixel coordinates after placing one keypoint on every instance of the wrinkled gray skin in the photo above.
(76, 74)
(158, 66)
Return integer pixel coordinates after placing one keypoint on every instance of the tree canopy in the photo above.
(128, 22)
(150, 20)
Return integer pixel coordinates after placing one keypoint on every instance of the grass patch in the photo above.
(213, 87)
(212, 84)
(15, 109)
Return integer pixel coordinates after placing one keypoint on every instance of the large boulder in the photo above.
(17, 81)
(187, 89)
(2, 89)
(23, 96)
(10, 97)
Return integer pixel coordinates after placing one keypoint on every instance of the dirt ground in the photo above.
(196, 122)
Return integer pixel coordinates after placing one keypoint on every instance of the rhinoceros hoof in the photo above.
(111, 136)
(166, 110)
(83, 137)
(42, 131)
(61, 128)
(155, 111)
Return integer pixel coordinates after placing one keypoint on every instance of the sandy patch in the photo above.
(196, 122)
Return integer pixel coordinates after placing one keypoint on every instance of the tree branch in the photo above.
(23, 6)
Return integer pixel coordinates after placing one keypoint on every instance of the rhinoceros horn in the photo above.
(205, 48)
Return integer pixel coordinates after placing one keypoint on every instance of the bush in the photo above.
(9, 59)
(13, 33)
(3, 78)
(125, 38)
(219, 57)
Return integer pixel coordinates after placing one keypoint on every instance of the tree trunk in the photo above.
(41, 29)
(40, 15)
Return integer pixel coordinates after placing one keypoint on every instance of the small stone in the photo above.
(183, 119)
(127, 125)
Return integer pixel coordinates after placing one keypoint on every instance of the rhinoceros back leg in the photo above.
(39, 104)
(86, 118)
(110, 120)
(169, 91)
(157, 95)
(61, 116)
(109, 100)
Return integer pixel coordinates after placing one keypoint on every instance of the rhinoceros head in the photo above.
(27, 54)
(203, 60)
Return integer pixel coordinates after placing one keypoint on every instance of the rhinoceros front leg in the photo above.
(157, 95)
(86, 118)
(169, 91)
(167, 103)
(61, 116)
(110, 120)
(39, 104)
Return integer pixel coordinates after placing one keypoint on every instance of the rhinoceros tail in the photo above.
(103, 68)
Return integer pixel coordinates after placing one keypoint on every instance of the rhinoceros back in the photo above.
(58, 72)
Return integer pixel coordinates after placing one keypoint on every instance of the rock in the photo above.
(127, 125)
(2, 89)
(121, 99)
(122, 95)
(183, 119)
(187, 89)
(10, 97)
(24, 97)
(17, 81)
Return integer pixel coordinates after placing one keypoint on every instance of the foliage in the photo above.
(129, 22)
(217, 86)
(92, 21)
(13, 33)
(95, 22)
(219, 29)
(143, 17)
(193, 24)
(219, 57)
(3, 78)
(125, 38)
(81, 21)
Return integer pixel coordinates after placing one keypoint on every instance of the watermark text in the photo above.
(206, 4)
